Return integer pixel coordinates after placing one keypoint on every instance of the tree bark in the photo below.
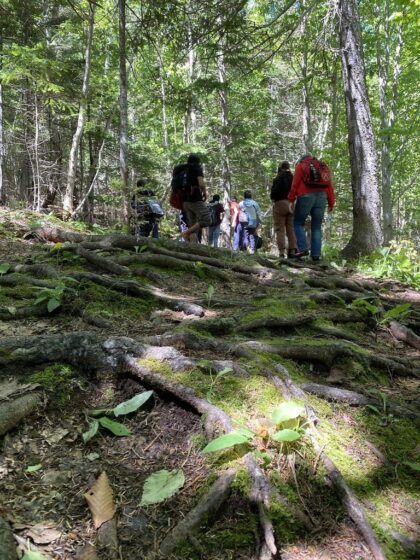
(72, 169)
(366, 234)
(123, 114)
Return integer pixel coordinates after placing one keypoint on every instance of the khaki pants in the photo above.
(283, 224)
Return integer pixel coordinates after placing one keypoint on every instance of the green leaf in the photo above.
(32, 555)
(245, 432)
(133, 404)
(374, 409)
(4, 267)
(100, 411)
(286, 435)
(287, 411)
(414, 466)
(397, 311)
(161, 485)
(115, 427)
(92, 431)
(225, 441)
(34, 468)
(53, 304)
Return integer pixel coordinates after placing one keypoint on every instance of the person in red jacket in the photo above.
(309, 200)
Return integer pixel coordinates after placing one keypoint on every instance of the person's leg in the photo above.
(290, 232)
(216, 235)
(192, 221)
(236, 237)
(317, 215)
(279, 221)
(144, 229)
(303, 207)
(155, 230)
(211, 235)
(250, 243)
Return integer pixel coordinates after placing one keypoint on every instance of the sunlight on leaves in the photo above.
(226, 441)
(133, 404)
(115, 427)
(161, 485)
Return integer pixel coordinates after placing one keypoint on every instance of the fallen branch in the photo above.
(13, 411)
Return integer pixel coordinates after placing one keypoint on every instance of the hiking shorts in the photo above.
(197, 212)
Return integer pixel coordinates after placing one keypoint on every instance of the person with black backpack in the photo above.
(312, 189)
(282, 216)
(216, 218)
(189, 194)
(147, 210)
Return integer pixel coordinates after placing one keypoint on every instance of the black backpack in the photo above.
(281, 186)
(179, 183)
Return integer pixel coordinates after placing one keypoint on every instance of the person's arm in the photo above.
(202, 186)
(330, 197)
(297, 177)
(258, 211)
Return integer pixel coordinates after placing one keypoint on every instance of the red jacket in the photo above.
(299, 187)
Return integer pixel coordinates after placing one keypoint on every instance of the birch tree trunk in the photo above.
(306, 114)
(190, 118)
(123, 114)
(72, 169)
(366, 234)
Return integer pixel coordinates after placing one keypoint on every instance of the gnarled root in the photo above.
(208, 505)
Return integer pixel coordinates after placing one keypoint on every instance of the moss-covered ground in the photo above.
(376, 452)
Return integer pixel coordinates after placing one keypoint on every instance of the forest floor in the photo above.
(222, 339)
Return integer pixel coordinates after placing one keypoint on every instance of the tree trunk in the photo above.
(2, 186)
(387, 109)
(72, 169)
(306, 115)
(123, 114)
(366, 234)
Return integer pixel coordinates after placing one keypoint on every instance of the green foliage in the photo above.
(116, 428)
(53, 377)
(32, 555)
(399, 261)
(34, 468)
(4, 268)
(54, 296)
(214, 380)
(210, 294)
(161, 485)
(286, 417)
(122, 409)
(133, 404)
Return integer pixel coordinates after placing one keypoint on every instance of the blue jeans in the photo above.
(313, 204)
(249, 239)
(238, 237)
(214, 232)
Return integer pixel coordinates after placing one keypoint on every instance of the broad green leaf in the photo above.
(34, 468)
(245, 432)
(42, 296)
(32, 555)
(397, 311)
(100, 411)
(161, 485)
(53, 304)
(115, 427)
(287, 411)
(91, 432)
(4, 267)
(133, 404)
(286, 435)
(224, 371)
(414, 466)
(225, 441)
(210, 292)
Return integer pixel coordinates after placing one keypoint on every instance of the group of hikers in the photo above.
(295, 197)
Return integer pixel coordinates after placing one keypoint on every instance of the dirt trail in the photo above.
(118, 316)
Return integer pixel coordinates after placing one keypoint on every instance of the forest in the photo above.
(161, 398)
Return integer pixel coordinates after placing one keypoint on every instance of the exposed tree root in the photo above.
(334, 296)
(37, 270)
(277, 322)
(102, 262)
(12, 313)
(356, 399)
(327, 353)
(348, 498)
(208, 505)
(13, 411)
(20, 280)
(400, 332)
(336, 333)
(133, 288)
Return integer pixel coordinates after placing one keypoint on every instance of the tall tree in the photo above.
(366, 234)
(75, 145)
(123, 111)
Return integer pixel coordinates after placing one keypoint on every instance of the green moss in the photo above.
(52, 376)
(271, 307)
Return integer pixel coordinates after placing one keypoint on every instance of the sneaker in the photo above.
(291, 254)
(315, 259)
(300, 254)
